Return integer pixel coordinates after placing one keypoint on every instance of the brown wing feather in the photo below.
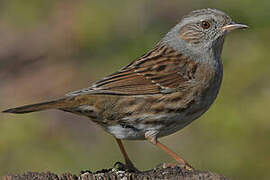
(158, 71)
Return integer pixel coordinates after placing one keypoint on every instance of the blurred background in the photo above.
(49, 48)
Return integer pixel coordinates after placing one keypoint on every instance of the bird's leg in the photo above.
(129, 164)
(152, 139)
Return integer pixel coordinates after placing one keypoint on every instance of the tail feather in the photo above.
(55, 104)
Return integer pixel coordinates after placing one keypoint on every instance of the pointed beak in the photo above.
(233, 26)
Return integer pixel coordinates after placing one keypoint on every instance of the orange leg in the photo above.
(129, 164)
(180, 160)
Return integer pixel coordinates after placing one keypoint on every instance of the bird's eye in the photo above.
(205, 24)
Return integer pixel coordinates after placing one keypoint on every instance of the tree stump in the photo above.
(169, 173)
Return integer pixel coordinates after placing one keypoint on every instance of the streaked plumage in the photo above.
(162, 91)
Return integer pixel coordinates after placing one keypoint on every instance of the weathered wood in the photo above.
(175, 173)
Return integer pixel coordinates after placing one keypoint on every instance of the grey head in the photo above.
(201, 33)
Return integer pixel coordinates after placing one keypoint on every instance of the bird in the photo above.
(160, 92)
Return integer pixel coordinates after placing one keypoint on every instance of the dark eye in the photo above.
(205, 24)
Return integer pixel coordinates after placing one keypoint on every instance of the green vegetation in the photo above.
(48, 48)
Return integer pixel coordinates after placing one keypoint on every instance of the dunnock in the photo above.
(162, 91)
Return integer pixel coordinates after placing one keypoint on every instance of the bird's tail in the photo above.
(55, 104)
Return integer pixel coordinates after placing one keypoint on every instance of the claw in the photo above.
(173, 165)
(120, 166)
(125, 167)
(188, 167)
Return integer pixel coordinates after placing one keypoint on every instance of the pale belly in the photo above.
(137, 131)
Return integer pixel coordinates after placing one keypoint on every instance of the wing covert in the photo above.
(160, 70)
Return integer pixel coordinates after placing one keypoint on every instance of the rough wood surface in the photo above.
(175, 173)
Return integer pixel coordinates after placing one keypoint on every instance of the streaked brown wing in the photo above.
(161, 70)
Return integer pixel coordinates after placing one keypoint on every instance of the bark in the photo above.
(170, 173)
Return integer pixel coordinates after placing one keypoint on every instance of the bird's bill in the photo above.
(234, 26)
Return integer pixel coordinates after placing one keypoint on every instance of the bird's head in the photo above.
(201, 30)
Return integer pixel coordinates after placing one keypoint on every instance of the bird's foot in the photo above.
(185, 166)
(125, 167)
